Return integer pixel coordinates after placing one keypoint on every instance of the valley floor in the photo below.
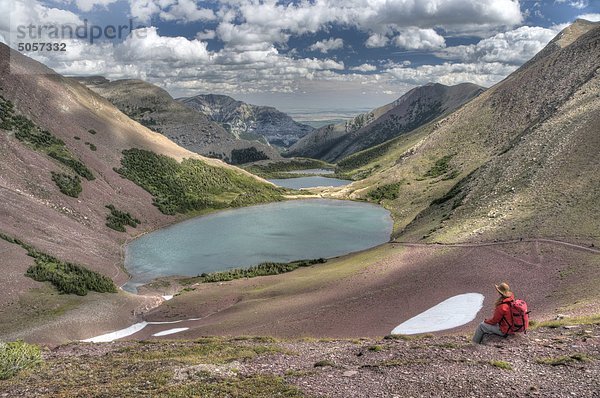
(562, 361)
(365, 294)
(369, 293)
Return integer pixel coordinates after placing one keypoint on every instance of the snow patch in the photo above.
(170, 331)
(453, 312)
(119, 334)
(168, 297)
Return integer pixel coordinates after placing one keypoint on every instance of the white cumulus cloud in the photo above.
(515, 46)
(364, 68)
(419, 39)
(377, 40)
(146, 45)
(325, 46)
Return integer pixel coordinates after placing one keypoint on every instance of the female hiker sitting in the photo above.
(500, 323)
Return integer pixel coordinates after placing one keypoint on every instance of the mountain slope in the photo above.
(156, 109)
(520, 160)
(415, 108)
(246, 120)
(87, 133)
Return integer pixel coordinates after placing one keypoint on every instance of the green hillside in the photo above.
(519, 160)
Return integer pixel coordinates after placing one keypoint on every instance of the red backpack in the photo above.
(520, 317)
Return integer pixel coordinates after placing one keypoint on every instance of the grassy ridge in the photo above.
(68, 278)
(280, 169)
(192, 185)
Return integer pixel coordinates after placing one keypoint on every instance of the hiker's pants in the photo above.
(485, 328)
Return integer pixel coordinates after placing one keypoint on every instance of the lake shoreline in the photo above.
(278, 236)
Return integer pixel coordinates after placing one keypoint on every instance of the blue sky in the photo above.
(300, 56)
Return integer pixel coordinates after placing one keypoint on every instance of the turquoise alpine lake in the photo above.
(277, 232)
(309, 182)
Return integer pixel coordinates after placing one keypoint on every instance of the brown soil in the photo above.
(370, 293)
(545, 363)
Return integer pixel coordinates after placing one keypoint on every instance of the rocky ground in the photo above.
(558, 361)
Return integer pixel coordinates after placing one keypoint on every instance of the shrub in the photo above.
(66, 277)
(117, 219)
(92, 131)
(441, 167)
(68, 184)
(389, 192)
(77, 166)
(562, 360)
(501, 364)
(263, 269)
(92, 146)
(192, 185)
(40, 140)
(16, 356)
(247, 155)
(324, 362)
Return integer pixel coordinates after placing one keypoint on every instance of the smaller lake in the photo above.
(309, 182)
(279, 232)
(311, 171)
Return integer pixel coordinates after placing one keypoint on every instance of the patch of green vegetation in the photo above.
(247, 155)
(117, 219)
(363, 158)
(375, 348)
(40, 140)
(276, 169)
(408, 337)
(563, 360)
(262, 269)
(68, 184)
(65, 157)
(256, 386)
(67, 278)
(17, 356)
(298, 373)
(501, 364)
(441, 167)
(324, 362)
(130, 370)
(385, 192)
(567, 321)
(192, 185)
(91, 146)
(208, 350)
(92, 131)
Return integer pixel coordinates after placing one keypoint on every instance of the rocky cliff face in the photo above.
(414, 109)
(156, 109)
(249, 121)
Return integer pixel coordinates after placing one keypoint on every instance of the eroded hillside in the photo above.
(63, 149)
